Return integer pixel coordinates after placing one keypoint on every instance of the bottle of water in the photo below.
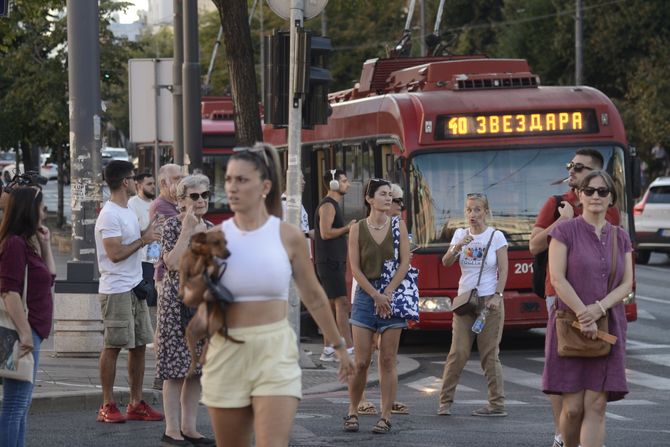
(478, 325)
(153, 252)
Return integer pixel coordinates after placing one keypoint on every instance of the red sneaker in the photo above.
(110, 413)
(142, 412)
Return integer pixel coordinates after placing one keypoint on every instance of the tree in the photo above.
(242, 73)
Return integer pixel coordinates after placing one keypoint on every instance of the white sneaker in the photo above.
(350, 351)
(328, 355)
(558, 441)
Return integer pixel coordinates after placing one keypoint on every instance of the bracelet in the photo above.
(341, 344)
(142, 243)
(500, 294)
(601, 307)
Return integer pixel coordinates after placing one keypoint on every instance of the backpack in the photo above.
(540, 260)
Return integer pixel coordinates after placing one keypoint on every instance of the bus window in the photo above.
(517, 183)
(358, 161)
(214, 167)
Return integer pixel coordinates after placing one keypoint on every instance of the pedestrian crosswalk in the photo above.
(646, 373)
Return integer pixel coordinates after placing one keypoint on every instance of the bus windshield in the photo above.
(516, 181)
(214, 167)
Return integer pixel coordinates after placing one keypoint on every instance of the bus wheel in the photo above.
(642, 257)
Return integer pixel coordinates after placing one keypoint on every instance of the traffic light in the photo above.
(312, 78)
(4, 8)
(276, 69)
(316, 108)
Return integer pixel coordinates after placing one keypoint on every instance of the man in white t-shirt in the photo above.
(118, 242)
(139, 204)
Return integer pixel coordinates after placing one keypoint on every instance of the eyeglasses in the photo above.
(376, 180)
(602, 191)
(400, 203)
(577, 167)
(259, 151)
(195, 195)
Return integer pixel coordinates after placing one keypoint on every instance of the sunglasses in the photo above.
(475, 195)
(195, 195)
(376, 180)
(602, 191)
(257, 151)
(577, 167)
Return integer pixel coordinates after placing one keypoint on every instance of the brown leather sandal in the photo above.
(382, 427)
(351, 423)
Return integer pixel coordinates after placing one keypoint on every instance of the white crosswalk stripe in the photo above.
(658, 359)
(647, 380)
(513, 375)
(432, 384)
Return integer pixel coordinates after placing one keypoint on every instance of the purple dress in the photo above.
(588, 269)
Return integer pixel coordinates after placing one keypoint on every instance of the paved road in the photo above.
(50, 191)
(639, 420)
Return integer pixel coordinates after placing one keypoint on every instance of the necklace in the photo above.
(378, 227)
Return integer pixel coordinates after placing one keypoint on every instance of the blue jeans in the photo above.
(363, 313)
(17, 396)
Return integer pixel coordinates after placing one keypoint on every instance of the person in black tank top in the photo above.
(330, 254)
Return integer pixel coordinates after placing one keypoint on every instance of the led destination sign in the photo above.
(517, 124)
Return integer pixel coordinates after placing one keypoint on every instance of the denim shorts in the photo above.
(363, 313)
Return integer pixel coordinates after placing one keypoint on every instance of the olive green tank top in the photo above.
(373, 255)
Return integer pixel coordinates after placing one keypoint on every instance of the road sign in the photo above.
(150, 100)
(312, 8)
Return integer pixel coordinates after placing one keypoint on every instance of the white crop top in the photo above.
(258, 268)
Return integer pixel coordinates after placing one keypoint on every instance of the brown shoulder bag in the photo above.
(571, 342)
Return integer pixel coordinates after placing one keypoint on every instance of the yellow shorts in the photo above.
(266, 364)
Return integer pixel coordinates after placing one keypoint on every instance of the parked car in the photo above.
(652, 220)
(7, 158)
(48, 171)
(113, 153)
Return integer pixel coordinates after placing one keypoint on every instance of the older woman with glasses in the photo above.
(180, 394)
(478, 248)
(370, 244)
(580, 264)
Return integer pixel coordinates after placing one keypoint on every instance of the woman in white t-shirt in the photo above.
(468, 247)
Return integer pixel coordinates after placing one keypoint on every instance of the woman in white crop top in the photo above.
(254, 387)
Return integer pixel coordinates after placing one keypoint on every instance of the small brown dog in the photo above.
(199, 272)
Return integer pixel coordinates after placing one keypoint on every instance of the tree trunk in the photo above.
(241, 68)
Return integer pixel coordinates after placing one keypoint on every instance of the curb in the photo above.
(85, 400)
(90, 400)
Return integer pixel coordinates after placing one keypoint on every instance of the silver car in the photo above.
(652, 220)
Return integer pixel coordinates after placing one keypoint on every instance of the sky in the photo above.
(130, 15)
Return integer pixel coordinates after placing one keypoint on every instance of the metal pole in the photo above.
(422, 25)
(84, 104)
(177, 94)
(191, 81)
(438, 18)
(579, 26)
(157, 126)
(294, 173)
(212, 59)
(324, 23)
(261, 37)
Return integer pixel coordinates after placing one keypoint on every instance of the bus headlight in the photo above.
(629, 298)
(435, 304)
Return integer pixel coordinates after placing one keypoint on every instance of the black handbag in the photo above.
(145, 291)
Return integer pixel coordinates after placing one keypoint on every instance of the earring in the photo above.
(264, 196)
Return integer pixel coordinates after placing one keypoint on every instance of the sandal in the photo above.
(382, 427)
(367, 408)
(351, 423)
(399, 408)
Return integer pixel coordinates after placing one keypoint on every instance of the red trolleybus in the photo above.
(446, 126)
(218, 141)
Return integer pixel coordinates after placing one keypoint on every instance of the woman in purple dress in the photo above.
(580, 260)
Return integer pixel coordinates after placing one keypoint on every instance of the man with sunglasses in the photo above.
(553, 211)
(330, 253)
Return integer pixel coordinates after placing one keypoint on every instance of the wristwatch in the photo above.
(499, 294)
